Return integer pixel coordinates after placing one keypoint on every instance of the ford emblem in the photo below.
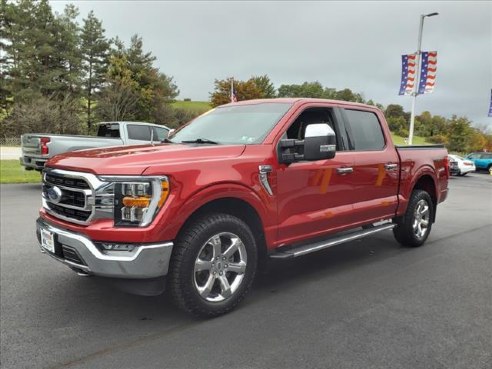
(54, 194)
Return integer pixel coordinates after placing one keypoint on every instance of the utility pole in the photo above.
(417, 81)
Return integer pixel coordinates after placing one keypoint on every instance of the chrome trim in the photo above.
(99, 188)
(307, 249)
(263, 175)
(345, 170)
(390, 166)
(144, 261)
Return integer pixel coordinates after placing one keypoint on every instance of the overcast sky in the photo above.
(340, 44)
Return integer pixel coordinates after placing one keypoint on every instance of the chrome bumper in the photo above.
(33, 162)
(144, 262)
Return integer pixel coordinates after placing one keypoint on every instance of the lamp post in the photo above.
(416, 84)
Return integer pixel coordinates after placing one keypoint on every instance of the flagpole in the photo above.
(417, 80)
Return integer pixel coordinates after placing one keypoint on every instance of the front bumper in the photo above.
(80, 253)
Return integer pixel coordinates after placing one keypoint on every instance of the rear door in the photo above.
(138, 134)
(376, 166)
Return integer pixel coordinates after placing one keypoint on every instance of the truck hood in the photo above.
(134, 160)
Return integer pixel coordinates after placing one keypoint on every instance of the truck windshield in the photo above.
(235, 124)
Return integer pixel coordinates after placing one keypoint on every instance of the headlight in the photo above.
(137, 200)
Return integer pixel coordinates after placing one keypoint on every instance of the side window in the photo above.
(310, 116)
(109, 130)
(160, 133)
(138, 132)
(366, 132)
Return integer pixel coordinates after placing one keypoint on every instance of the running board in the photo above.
(296, 251)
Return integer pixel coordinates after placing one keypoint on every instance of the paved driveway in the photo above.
(366, 304)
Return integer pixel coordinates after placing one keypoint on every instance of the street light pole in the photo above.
(417, 80)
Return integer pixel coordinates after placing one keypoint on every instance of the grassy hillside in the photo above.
(417, 140)
(195, 106)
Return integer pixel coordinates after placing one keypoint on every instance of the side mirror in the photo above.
(319, 142)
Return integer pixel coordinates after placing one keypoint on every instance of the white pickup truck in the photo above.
(37, 148)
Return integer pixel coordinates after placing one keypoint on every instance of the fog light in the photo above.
(118, 246)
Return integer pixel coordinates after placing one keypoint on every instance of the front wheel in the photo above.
(414, 227)
(213, 265)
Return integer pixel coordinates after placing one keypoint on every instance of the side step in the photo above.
(293, 252)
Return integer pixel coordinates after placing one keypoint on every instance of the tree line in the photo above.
(457, 133)
(60, 75)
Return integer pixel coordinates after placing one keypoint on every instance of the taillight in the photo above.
(44, 145)
(446, 165)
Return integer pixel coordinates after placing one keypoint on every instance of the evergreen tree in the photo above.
(68, 53)
(95, 49)
(136, 89)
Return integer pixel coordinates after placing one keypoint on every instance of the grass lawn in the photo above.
(417, 140)
(12, 172)
(197, 106)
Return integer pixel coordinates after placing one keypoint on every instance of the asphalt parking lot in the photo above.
(366, 304)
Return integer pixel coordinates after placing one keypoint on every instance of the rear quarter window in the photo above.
(365, 130)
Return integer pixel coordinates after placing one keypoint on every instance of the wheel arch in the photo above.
(426, 183)
(236, 207)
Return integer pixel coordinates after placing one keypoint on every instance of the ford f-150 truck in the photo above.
(242, 183)
(37, 148)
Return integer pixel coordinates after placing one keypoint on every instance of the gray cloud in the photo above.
(340, 44)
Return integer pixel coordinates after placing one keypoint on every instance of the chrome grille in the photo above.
(76, 197)
(66, 182)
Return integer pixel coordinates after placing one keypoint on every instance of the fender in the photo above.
(407, 187)
(173, 224)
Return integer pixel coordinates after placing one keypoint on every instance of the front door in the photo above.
(314, 197)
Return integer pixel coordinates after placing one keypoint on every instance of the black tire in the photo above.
(194, 247)
(408, 232)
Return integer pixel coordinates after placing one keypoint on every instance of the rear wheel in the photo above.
(414, 227)
(213, 265)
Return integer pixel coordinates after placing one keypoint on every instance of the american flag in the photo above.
(407, 74)
(490, 108)
(428, 72)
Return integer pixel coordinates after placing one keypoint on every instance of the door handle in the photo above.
(345, 170)
(390, 166)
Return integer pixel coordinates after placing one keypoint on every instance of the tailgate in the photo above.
(31, 145)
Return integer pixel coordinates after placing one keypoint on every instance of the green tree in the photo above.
(265, 86)
(307, 89)
(67, 51)
(245, 90)
(459, 134)
(135, 88)
(348, 95)
(95, 50)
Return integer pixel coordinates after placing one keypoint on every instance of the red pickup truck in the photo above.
(242, 183)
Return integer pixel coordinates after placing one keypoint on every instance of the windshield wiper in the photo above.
(201, 141)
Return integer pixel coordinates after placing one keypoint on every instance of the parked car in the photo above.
(37, 148)
(460, 166)
(482, 160)
(248, 181)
